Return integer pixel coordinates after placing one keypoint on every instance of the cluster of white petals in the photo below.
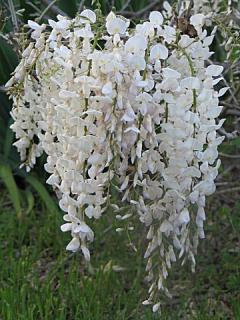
(127, 109)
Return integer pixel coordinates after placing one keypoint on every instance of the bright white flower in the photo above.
(184, 217)
(136, 44)
(156, 307)
(169, 34)
(156, 18)
(85, 32)
(170, 73)
(86, 253)
(33, 25)
(62, 24)
(136, 62)
(73, 245)
(197, 20)
(89, 14)
(116, 25)
(37, 29)
(190, 83)
(214, 70)
(158, 51)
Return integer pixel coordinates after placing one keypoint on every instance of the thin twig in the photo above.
(33, 6)
(230, 105)
(81, 4)
(126, 4)
(231, 92)
(55, 10)
(227, 170)
(46, 10)
(233, 112)
(225, 183)
(140, 12)
(228, 135)
(230, 156)
(235, 189)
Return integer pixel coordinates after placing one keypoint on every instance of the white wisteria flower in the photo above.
(137, 114)
(116, 25)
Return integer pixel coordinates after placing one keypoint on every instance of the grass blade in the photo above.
(8, 141)
(9, 181)
(43, 193)
(30, 201)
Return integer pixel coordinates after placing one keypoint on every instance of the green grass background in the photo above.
(40, 280)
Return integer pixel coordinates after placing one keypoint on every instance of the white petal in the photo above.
(84, 33)
(136, 44)
(52, 23)
(73, 245)
(217, 80)
(208, 41)
(190, 83)
(84, 228)
(65, 94)
(156, 18)
(63, 24)
(66, 217)
(53, 179)
(156, 307)
(158, 51)
(134, 129)
(170, 73)
(126, 216)
(89, 14)
(107, 89)
(222, 91)
(197, 19)
(89, 211)
(33, 25)
(66, 227)
(136, 62)
(125, 183)
(116, 26)
(185, 41)
(214, 70)
(184, 217)
(201, 213)
(86, 253)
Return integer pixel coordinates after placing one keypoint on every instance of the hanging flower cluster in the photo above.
(132, 109)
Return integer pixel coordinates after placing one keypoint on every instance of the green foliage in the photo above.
(40, 280)
(42, 192)
(8, 179)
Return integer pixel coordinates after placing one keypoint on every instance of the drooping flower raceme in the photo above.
(132, 109)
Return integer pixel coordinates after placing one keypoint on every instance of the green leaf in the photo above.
(70, 7)
(30, 201)
(9, 58)
(43, 193)
(8, 141)
(9, 181)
